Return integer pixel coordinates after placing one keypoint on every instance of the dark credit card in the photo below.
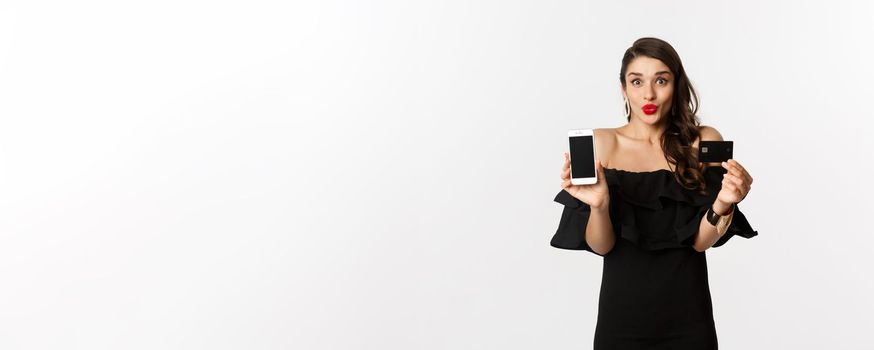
(714, 151)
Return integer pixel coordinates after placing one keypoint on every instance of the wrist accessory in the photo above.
(720, 221)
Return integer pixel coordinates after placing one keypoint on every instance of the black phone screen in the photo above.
(582, 156)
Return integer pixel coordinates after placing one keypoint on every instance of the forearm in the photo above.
(707, 234)
(599, 230)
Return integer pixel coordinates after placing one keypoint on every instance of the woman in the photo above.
(650, 213)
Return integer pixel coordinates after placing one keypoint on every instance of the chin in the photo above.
(651, 119)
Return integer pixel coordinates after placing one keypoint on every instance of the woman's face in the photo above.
(649, 87)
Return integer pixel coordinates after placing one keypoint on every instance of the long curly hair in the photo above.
(682, 121)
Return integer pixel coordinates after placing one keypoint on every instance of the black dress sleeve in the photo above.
(571, 232)
(739, 226)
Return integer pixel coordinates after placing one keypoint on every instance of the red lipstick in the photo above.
(649, 108)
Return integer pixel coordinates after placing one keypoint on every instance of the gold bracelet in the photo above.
(724, 222)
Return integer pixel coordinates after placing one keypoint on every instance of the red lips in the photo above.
(649, 108)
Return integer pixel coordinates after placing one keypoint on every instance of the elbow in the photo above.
(602, 252)
(700, 248)
(602, 249)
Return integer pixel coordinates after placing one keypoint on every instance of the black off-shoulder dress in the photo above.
(654, 288)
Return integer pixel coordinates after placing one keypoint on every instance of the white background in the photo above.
(380, 175)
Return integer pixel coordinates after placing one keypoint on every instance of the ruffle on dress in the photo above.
(649, 209)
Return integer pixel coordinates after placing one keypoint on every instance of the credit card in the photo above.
(714, 151)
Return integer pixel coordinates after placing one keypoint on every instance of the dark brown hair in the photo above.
(682, 122)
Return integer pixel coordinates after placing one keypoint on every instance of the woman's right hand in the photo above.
(596, 195)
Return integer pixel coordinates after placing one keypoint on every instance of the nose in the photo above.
(648, 93)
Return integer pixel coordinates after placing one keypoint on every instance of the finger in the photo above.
(737, 190)
(728, 186)
(729, 172)
(738, 184)
(747, 175)
(600, 169)
(734, 172)
(736, 180)
(737, 171)
(565, 174)
(735, 163)
(741, 174)
(743, 171)
(731, 168)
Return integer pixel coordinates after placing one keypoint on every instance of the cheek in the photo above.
(667, 96)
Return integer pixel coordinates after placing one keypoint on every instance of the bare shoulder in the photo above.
(605, 144)
(709, 133)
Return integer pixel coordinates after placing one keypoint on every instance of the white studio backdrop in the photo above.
(380, 174)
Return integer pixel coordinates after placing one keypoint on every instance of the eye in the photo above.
(662, 81)
(635, 81)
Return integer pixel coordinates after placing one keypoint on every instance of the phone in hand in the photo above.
(582, 154)
(714, 151)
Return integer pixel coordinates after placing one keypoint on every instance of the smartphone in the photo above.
(582, 153)
(714, 151)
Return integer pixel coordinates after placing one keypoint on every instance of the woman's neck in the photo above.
(640, 131)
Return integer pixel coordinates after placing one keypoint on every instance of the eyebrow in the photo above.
(657, 73)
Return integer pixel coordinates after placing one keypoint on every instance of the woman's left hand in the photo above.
(736, 183)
